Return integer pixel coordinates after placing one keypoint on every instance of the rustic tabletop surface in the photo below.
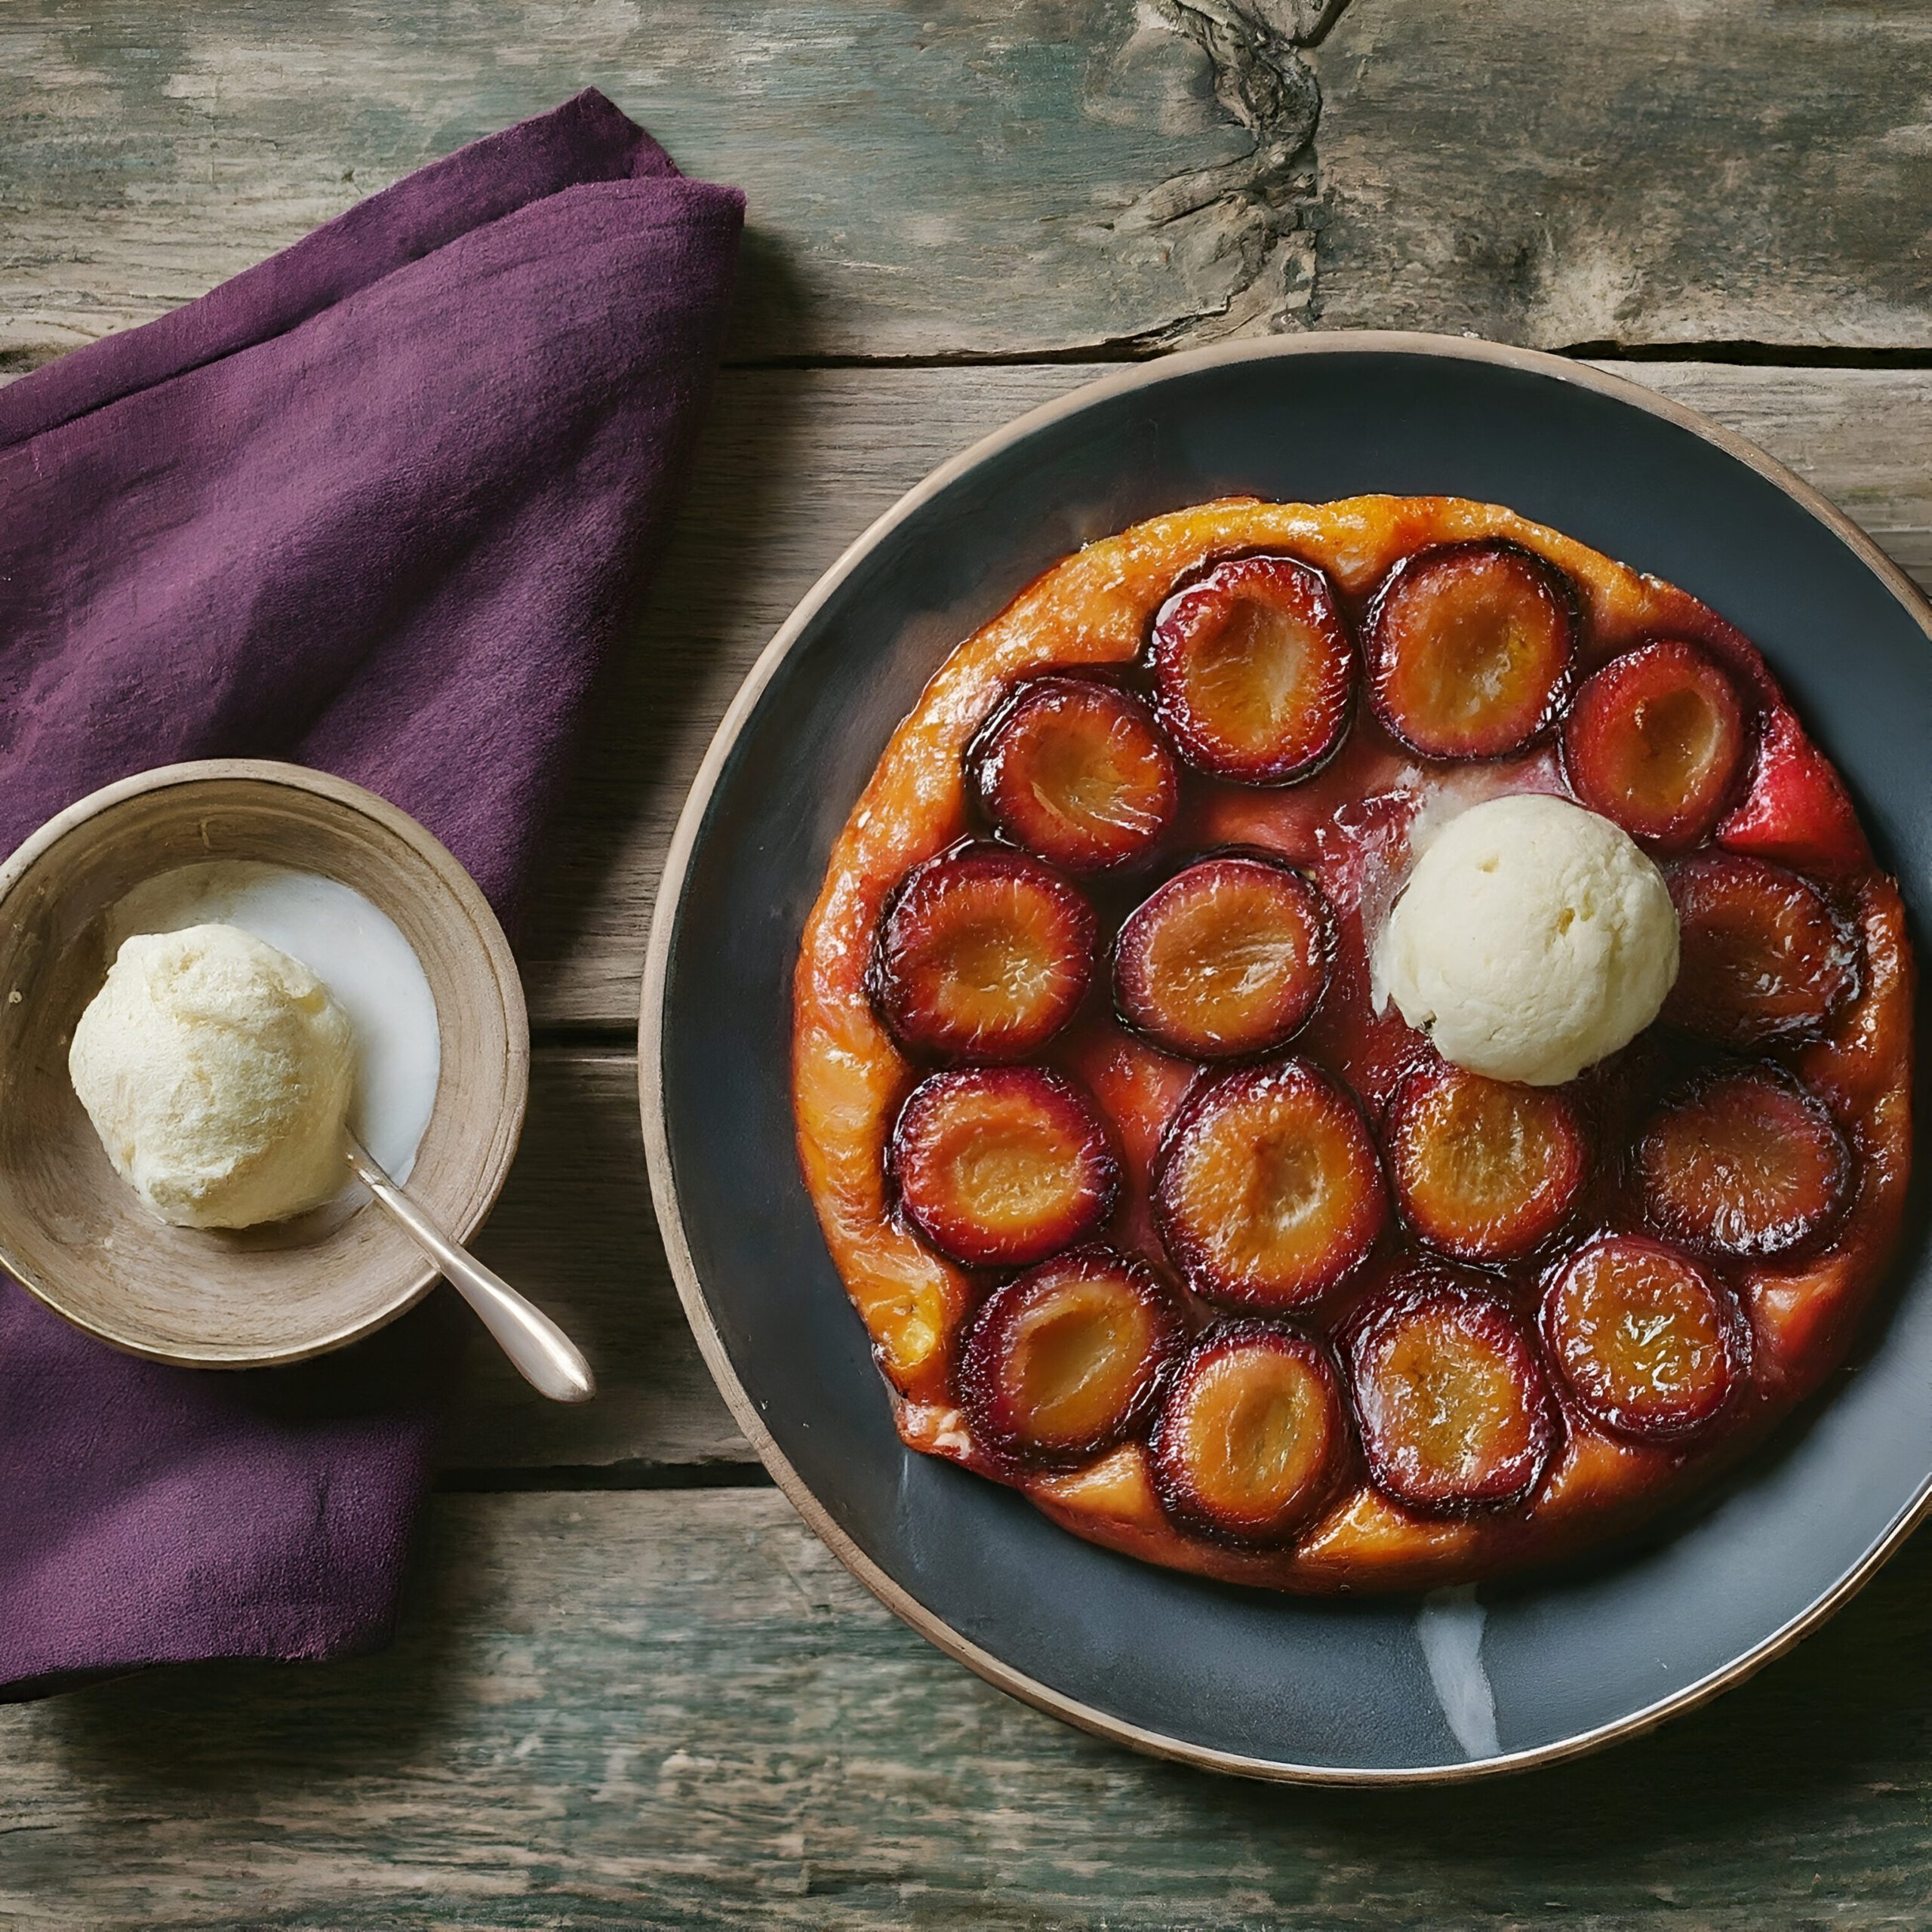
(631, 1689)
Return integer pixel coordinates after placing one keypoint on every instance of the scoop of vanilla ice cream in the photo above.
(1533, 939)
(218, 1072)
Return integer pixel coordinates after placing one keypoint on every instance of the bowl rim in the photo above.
(454, 879)
(650, 1072)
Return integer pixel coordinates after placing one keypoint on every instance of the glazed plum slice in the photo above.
(1251, 1437)
(1067, 1360)
(999, 1167)
(1484, 1171)
(1743, 1162)
(1268, 1192)
(983, 955)
(1763, 956)
(1454, 1412)
(1647, 1343)
(1469, 648)
(1254, 670)
(1230, 957)
(1796, 812)
(1655, 741)
(1078, 771)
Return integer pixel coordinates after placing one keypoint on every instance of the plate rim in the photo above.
(669, 904)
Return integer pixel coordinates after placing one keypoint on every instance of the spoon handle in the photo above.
(539, 1350)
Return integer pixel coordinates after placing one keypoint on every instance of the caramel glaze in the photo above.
(1349, 824)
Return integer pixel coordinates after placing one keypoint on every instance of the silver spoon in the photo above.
(539, 1350)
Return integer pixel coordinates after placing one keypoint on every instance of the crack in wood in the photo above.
(1243, 231)
(632, 1473)
(1123, 349)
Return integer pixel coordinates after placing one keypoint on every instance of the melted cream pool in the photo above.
(349, 944)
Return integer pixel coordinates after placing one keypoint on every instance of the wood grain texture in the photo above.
(795, 463)
(984, 175)
(1565, 172)
(574, 1232)
(677, 1710)
(1015, 176)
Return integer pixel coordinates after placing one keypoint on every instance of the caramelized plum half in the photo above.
(999, 1167)
(1454, 1412)
(1797, 811)
(1469, 648)
(1763, 956)
(982, 954)
(1228, 957)
(1251, 1437)
(1655, 741)
(1484, 1170)
(1648, 1344)
(1268, 1192)
(1077, 772)
(1744, 1162)
(1254, 670)
(1067, 1360)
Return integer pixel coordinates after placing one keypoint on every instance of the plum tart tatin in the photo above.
(1155, 1207)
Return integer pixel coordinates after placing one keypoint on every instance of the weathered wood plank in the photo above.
(676, 1711)
(795, 463)
(1012, 177)
(574, 1230)
(921, 180)
(1566, 172)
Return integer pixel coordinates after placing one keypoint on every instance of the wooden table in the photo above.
(631, 1690)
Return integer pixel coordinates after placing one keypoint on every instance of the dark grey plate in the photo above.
(1244, 1681)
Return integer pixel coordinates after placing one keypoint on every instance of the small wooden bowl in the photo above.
(71, 1231)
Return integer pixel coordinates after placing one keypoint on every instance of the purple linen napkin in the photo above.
(375, 506)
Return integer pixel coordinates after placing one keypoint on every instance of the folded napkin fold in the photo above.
(375, 506)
